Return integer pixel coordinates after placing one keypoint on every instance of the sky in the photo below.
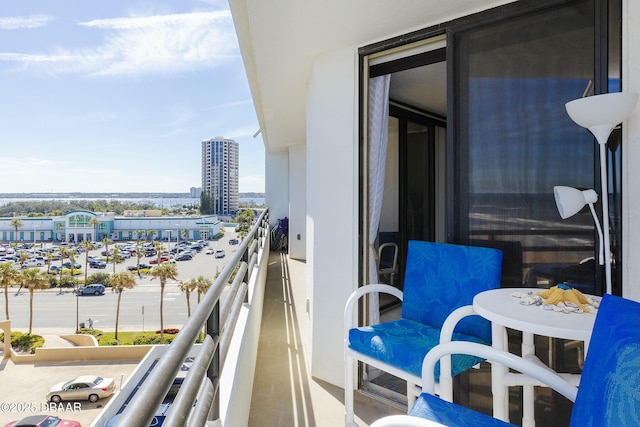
(116, 96)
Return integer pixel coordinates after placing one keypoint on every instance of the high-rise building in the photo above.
(220, 175)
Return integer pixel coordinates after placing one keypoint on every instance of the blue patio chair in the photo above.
(609, 391)
(440, 282)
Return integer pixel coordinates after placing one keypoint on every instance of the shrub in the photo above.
(169, 331)
(152, 339)
(99, 278)
(107, 340)
(24, 342)
(95, 332)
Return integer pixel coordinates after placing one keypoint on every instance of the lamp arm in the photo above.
(601, 237)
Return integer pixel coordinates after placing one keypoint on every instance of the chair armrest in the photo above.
(349, 313)
(533, 370)
(446, 335)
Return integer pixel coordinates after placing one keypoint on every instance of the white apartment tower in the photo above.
(220, 174)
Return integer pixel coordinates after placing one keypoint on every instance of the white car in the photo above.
(33, 262)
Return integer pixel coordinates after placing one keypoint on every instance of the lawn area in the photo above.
(128, 337)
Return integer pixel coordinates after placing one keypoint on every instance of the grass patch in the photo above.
(127, 337)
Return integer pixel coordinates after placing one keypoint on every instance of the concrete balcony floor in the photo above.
(285, 394)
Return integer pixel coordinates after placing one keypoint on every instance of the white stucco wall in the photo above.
(631, 147)
(298, 205)
(332, 201)
(277, 185)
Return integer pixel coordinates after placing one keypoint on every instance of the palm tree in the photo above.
(187, 286)
(64, 253)
(119, 282)
(33, 279)
(8, 276)
(163, 272)
(115, 257)
(22, 257)
(88, 246)
(202, 285)
(184, 233)
(71, 254)
(139, 254)
(106, 241)
(139, 234)
(95, 222)
(16, 223)
(159, 248)
(49, 259)
(151, 233)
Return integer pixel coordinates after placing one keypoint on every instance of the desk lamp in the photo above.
(601, 114)
(570, 201)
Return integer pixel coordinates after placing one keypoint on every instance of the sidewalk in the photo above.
(55, 341)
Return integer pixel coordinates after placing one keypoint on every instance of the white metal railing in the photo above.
(218, 315)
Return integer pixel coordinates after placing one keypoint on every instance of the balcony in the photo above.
(270, 334)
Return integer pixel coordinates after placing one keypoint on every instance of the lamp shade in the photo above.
(606, 109)
(570, 200)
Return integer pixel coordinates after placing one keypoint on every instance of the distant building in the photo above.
(195, 192)
(77, 225)
(220, 175)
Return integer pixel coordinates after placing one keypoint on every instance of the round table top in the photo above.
(500, 307)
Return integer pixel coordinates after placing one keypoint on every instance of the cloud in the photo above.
(21, 23)
(160, 44)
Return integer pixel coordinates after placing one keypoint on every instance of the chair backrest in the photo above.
(442, 277)
(609, 391)
(388, 256)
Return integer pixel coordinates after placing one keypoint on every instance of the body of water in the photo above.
(160, 202)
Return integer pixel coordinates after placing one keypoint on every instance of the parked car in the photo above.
(233, 241)
(43, 421)
(92, 289)
(54, 269)
(85, 387)
(33, 262)
(209, 252)
(76, 265)
(220, 253)
(162, 259)
(183, 257)
(97, 263)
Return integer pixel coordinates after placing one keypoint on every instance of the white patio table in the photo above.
(505, 311)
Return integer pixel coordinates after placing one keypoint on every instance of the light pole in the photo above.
(34, 237)
(168, 241)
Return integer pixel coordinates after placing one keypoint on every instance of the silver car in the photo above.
(85, 387)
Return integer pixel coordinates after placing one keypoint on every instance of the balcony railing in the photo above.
(218, 313)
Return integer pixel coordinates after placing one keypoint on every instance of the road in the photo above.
(55, 312)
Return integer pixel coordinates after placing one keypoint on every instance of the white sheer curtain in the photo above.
(378, 139)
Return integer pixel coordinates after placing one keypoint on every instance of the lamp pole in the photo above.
(169, 241)
(34, 237)
(600, 114)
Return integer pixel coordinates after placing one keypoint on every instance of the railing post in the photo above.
(213, 373)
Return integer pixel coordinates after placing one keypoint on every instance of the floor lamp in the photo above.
(600, 114)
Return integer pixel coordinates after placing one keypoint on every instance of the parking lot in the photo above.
(24, 386)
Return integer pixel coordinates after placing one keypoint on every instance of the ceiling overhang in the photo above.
(279, 41)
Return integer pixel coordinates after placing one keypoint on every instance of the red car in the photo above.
(162, 259)
(43, 421)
